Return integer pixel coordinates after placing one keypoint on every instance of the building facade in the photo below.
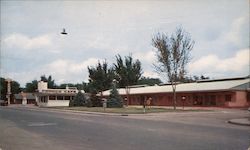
(233, 92)
(46, 97)
(24, 98)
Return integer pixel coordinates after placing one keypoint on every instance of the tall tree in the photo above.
(31, 87)
(51, 82)
(127, 71)
(173, 54)
(100, 77)
(15, 87)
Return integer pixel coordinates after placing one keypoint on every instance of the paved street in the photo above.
(24, 129)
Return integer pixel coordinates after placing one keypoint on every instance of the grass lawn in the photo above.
(125, 110)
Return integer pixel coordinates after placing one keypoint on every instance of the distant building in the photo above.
(24, 98)
(233, 92)
(54, 97)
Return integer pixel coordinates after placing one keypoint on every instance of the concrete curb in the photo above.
(240, 121)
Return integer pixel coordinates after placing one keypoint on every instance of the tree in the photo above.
(64, 85)
(51, 83)
(31, 87)
(204, 77)
(127, 71)
(173, 54)
(3, 87)
(79, 100)
(86, 87)
(15, 88)
(100, 79)
(115, 100)
(149, 81)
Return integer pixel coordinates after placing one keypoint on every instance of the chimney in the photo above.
(42, 86)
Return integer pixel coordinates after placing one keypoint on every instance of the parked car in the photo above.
(3, 103)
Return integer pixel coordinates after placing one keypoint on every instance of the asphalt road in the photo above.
(24, 129)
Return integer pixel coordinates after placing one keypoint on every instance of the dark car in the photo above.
(3, 103)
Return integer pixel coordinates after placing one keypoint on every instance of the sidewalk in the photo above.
(240, 121)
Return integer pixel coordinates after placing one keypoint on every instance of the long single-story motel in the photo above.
(233, 92)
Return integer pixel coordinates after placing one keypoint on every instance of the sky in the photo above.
(31, 43)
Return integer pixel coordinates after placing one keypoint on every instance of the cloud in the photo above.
(68, 70)
(148, 56)
(239, 31)
(32, 44)
(213, 65)
(21, 41)
(63, 71)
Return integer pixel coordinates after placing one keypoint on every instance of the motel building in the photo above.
(231, 92)
(46, 97)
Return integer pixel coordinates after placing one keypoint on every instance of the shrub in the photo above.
(95, 101)
(79, 100)
(115, 100)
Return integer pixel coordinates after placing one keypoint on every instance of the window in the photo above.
(43, 99)
(52, 97)
(228, 98)
(67, 97)
(59, 97)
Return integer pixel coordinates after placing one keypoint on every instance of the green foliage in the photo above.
(64, 85)
(79, 100)
(115, 100)
(3, 87)
(95, 101)
(100, 77)
(31, 87)
(86, 87)
(127, 71)
(51, 83)
(149, 81)
(15, 88)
